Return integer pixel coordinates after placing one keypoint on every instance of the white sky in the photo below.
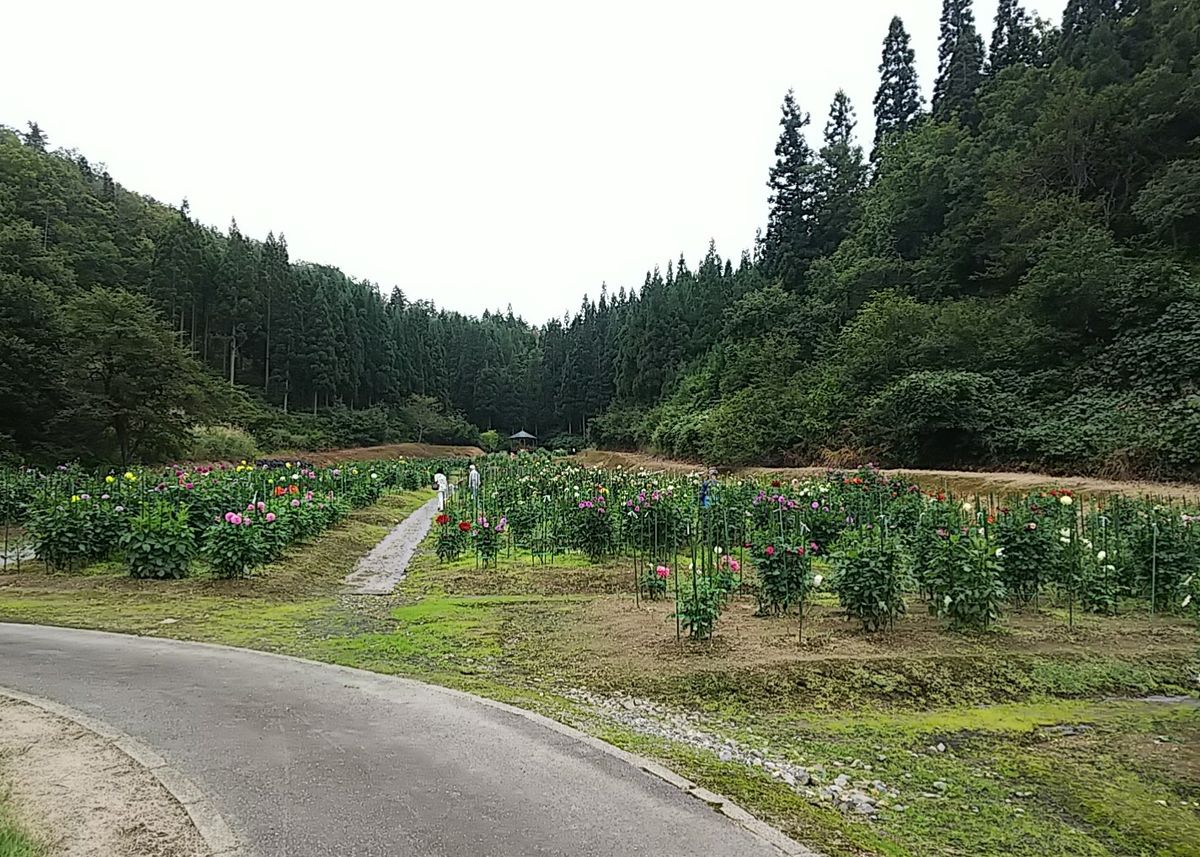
(473, 153)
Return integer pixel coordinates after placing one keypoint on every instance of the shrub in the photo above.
(491, 441)
(60, 533)
(935, 418)
(234, 546)
(487, 538)
(698, 607)
(964, 579)
(1028, 539)
(565, 442)
(591, 529)
(221, 443)
(785, 576)
(159, 544)
(653, 582)
(868, 578)
(452, 537)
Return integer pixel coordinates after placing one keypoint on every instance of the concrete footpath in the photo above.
(311, 760)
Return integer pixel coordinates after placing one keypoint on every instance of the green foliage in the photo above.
(159, 544)
(653, 582)
(1030, 549)
(221, 443)
(698, 607)
(1021, 267)
(785, 576)
(486, 534)
(869, 578)
(565, 442)
(234, 546)
(937, 419)
(491, 441)
(451, 539)
(964, 579)
(591, 528)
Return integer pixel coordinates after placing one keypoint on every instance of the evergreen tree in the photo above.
(788, 247)
(1079, 19)
(1104, 65)
(841, 179)
(1014, 41)
(35, 137)
(898, 100)
(273, 281)
(960, 62)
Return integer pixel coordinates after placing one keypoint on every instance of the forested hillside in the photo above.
(1005, 277)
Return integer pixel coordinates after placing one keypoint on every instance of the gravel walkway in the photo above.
(378, 572)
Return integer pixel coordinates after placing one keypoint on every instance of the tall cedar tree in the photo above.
(898, 100)
(841, 179)
(960, 63)
(1079, 19)
(790, 248)
(1014, 41)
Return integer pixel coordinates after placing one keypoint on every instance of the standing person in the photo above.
(443, 486)
(473, 481)
(708, 489)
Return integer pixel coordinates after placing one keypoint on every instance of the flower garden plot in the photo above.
(559, 614)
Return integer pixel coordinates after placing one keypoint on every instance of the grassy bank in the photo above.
(1033, 739)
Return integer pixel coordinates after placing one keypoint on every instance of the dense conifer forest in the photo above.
(1007, 276)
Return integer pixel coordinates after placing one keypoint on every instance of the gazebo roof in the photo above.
(522, 435)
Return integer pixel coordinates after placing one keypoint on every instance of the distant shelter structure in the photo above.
(523, 440)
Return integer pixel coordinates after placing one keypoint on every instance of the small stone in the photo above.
(941, 748)
(940, 786)
(789, 779)
(802, 777)
(841, 781)
(168, 621)
(726, 756)
(1161, 802)
(628, 704)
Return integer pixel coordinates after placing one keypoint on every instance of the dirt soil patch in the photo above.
(387, 452)
(958, 481)
(642, 638)
(82, 796)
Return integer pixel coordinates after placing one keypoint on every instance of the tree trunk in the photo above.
(232, 351)
(267, 360)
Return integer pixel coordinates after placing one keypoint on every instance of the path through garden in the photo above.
(379, 571)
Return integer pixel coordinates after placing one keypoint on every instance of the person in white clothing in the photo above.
(473, 481)
(443, 487)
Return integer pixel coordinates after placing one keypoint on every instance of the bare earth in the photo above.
(385, 453)
(958, 481)
(84, 797)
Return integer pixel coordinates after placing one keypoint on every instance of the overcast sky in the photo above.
(473, 153)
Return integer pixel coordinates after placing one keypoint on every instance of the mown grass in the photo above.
(1126, 784)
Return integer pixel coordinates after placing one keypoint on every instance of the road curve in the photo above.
(310, 760)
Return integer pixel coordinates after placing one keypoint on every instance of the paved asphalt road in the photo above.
(306, 760)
